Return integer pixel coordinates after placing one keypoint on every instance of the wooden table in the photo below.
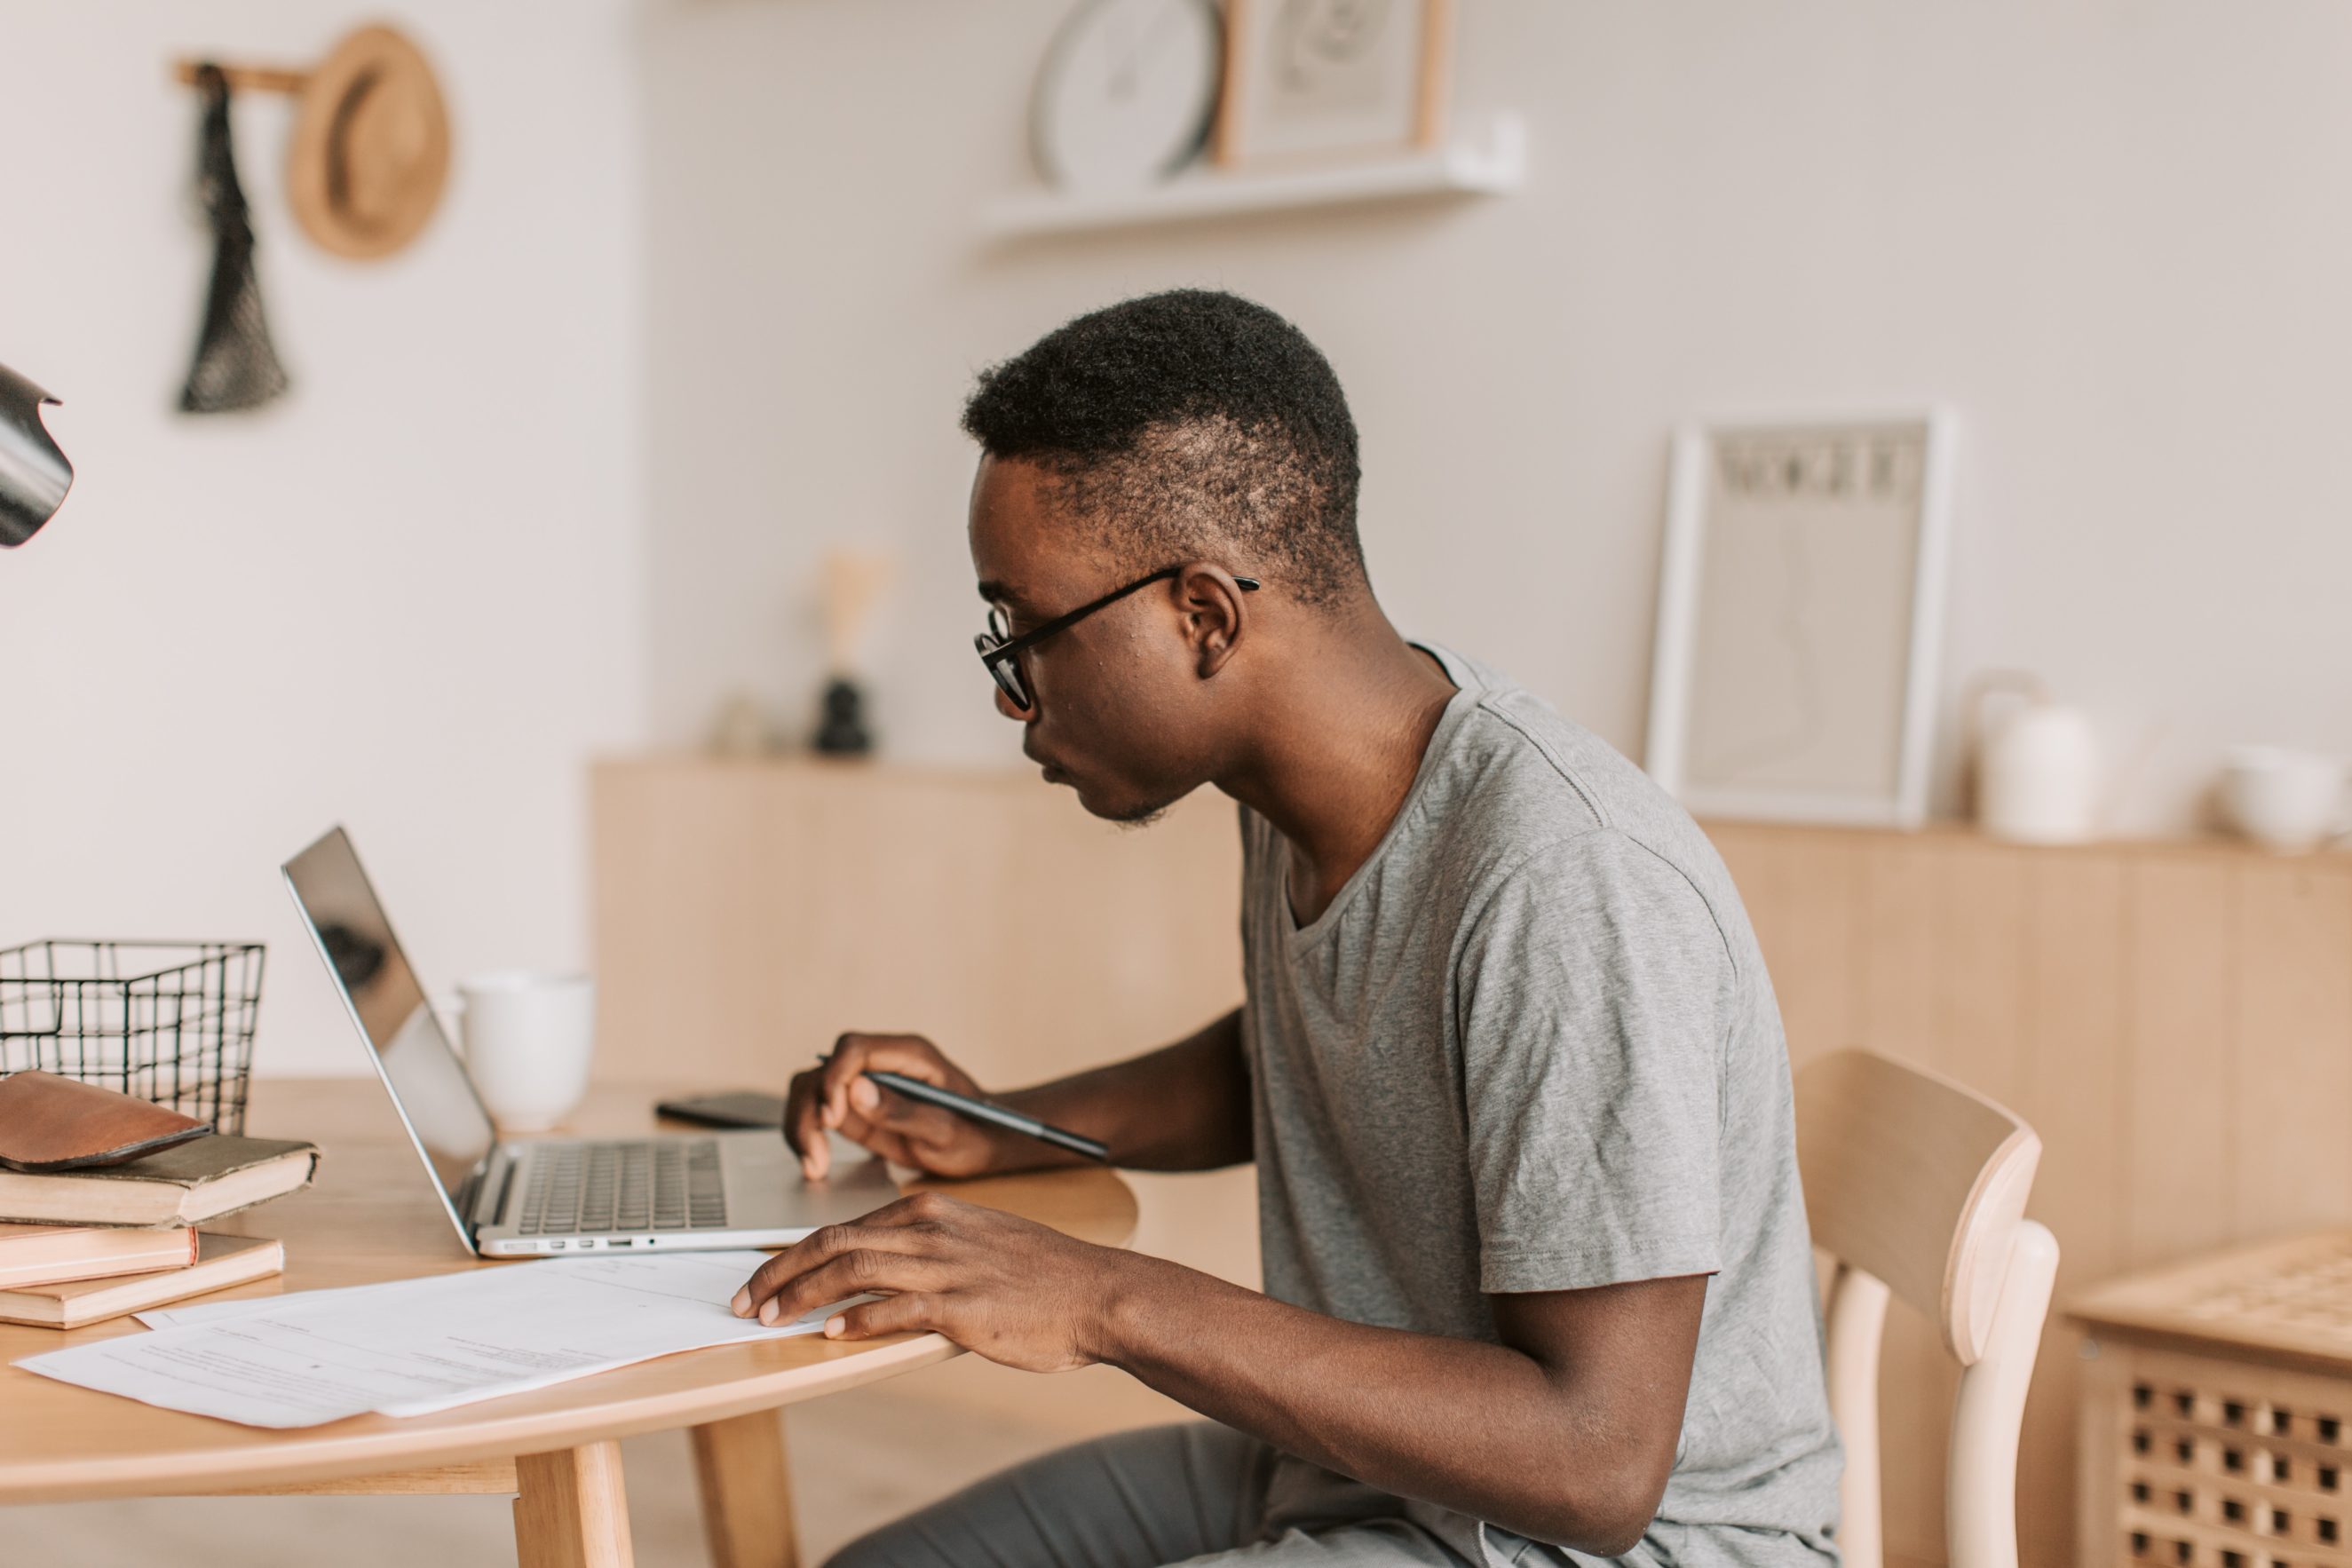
(371, 1216)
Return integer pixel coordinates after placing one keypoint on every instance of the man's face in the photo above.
(1114, 702)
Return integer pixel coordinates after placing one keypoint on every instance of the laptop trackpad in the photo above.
(765, 1188)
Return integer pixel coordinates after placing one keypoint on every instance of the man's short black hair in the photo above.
(1191, 425)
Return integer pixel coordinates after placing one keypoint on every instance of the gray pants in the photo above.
(1196, 1493)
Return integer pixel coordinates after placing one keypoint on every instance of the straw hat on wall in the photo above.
(371, 148)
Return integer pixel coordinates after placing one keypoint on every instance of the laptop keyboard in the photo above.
(669, 1183)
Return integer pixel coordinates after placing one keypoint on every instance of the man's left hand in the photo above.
(1012, 1290)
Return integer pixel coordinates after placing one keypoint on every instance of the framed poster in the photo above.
(1800, 613)
(1323, 78)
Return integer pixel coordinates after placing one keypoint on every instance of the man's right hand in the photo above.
(836, 1096)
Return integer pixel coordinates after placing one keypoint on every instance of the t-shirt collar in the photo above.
(1467, 690)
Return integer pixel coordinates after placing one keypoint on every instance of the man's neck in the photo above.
(1339, 753)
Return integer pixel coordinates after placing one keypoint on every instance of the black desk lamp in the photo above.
(34, 474)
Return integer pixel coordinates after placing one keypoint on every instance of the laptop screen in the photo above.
(427, 1081)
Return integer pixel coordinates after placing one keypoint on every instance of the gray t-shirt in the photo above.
(1530, 1046)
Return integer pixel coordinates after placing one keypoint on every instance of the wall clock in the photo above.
(1127, 92)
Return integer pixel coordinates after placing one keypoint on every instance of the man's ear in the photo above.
(1214, 606)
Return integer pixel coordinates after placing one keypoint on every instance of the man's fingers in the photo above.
(911, 1119)
(893, 1147)
(842, 1098)
(877, 1139)
(909, 1312)
(815, 1250)
(838, 1278)
(814, 1114)
(855, 1055)
(928, 1206)
(845, 1067)
(804, 1127)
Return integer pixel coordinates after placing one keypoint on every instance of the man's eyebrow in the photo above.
(996, 593)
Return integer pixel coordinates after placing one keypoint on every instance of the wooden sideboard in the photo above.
(747, 913)
(2175, 1019)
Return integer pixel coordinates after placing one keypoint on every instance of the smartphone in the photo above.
(739, 1107)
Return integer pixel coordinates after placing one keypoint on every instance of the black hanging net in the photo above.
(236, 367)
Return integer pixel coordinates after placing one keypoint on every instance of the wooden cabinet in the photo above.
(2175, 1019)
(747, 913)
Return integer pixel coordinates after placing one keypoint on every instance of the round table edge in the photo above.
(311, 1454)
(326, 1457)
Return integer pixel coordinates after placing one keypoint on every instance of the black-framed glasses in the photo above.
(1000, 650)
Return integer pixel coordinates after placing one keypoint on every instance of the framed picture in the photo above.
(1323, 78)
(1800, 613)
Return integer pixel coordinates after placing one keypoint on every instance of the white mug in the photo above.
(529, 1038)
(2281, 798)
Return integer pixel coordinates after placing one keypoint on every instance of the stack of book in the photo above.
(80, 1246)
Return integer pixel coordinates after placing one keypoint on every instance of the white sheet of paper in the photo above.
(413, 1346)
(181, 1314)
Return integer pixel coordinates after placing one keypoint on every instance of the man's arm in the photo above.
(1185, 1107)
(1565, 1432)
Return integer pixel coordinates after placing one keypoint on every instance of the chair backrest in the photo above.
(1916, 1186)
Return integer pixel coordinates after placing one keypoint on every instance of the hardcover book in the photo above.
(222, 1261)
(186, 1185)
(53, 1254)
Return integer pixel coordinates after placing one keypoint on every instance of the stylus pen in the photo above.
(983, 1111)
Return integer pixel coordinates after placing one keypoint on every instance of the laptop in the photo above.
(550, 1195)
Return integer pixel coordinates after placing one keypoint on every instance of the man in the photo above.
(1538, 1283)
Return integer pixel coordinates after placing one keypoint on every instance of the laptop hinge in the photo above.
(505, 1166)
(475, 1188)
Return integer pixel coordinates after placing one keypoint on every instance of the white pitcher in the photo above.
(2038, 772)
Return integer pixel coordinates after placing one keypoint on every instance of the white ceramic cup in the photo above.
(529, 1039)
(2281, 798)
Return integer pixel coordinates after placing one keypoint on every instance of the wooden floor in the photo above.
(857, 1460)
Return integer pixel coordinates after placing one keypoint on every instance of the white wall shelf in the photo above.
(1489, 162)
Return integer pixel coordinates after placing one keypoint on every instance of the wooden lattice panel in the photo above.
(2231, 1466)
(2218, 1421)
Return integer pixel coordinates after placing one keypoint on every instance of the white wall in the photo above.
(407, 597)
(2109, 232)
(414, 596)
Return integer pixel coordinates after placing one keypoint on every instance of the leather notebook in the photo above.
(52, 1123)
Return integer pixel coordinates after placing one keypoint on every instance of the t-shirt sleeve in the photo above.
(1588, 999)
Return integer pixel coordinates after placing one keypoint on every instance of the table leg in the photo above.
(747, 1498)
(574, 1510)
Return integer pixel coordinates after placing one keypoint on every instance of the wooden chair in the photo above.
(1917, 1187)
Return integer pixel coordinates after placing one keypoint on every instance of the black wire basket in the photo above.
(166, 1021)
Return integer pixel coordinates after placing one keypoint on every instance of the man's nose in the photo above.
(1005, 706)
